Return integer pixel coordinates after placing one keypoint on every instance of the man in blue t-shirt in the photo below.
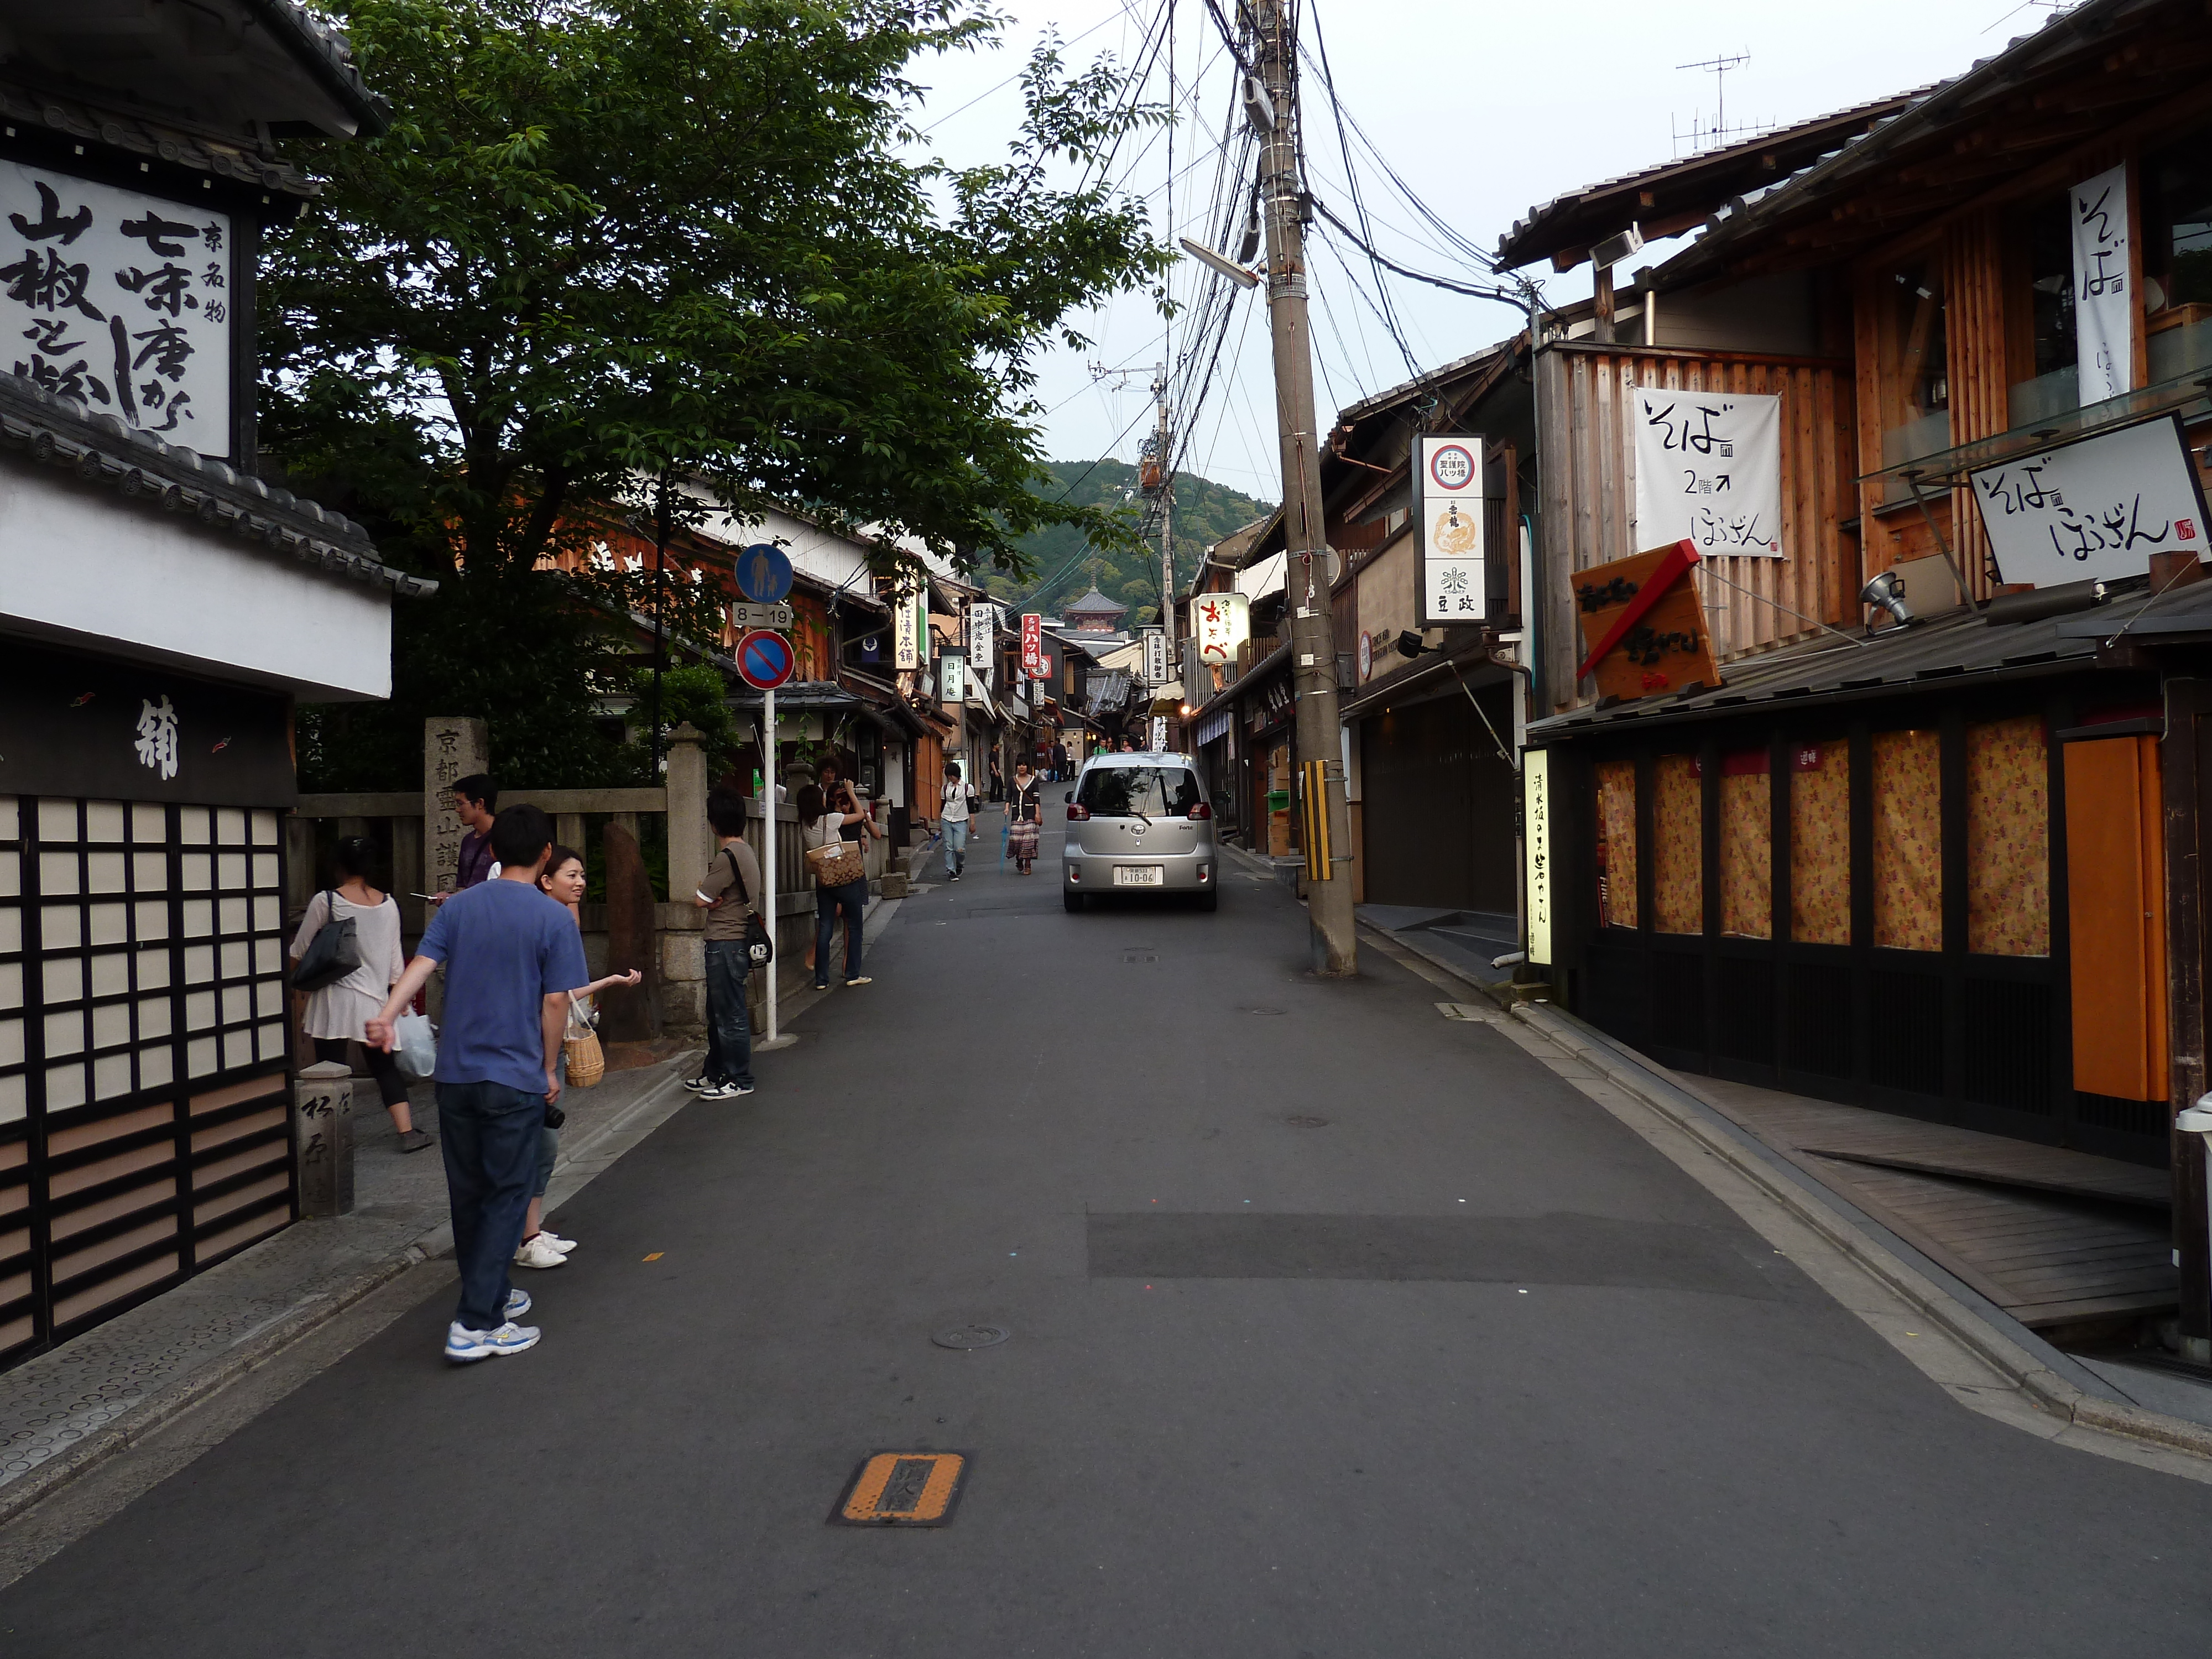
(512, 955)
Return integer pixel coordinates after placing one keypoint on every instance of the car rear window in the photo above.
(1122, 791)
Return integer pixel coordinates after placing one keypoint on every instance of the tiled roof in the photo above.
(135, 133)
(105, 454)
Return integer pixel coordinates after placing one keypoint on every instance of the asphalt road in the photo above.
(1467, 1369)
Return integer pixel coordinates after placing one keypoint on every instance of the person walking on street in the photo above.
(952, 819)
(541, 1247)
(1022, 817)
(339, 1013)
(729, 895)
(819, 827)
(512, 957)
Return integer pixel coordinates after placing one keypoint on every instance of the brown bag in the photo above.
(587, 1061)
(836, 862)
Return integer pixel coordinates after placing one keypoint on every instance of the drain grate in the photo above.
(1307, 1121)
(972, 1336)
(902, 1489)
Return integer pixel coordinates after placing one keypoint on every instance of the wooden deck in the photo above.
(2049, 1236)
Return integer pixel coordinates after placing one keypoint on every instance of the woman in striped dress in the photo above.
(1022, 814)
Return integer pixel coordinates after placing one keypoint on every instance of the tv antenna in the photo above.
(1718, 69)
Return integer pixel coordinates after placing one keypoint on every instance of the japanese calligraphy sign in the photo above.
(1536, 848)
(1709, 470)
(982, 641)
(453, 747)
(2103, 316)
(1222, 622)
(907, 630)
(952, 672)
(2096, 508)
(1644, 624)
(1033, 662)
(119, 299)
(1156, 657)
(1448, 519)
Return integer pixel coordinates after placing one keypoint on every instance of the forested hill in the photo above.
(1205, 512)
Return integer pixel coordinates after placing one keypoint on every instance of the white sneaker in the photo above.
(563, 1245)
(535, 1252)
(518, 1303)
(464, 1345)
(728, 1091)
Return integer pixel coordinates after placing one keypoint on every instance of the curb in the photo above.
(1894, 1263)
(292, 1326)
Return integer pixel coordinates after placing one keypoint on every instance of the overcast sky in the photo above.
(1483, 110)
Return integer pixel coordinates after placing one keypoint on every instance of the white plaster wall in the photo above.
(140, 584)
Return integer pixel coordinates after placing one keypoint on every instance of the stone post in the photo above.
(453, 746)
(690, 837)
(322, 1138)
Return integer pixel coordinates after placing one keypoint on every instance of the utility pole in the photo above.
(1166, 514)
(1319, 742)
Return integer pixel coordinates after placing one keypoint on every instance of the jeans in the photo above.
(956, 843)
(853, 899)
(389, 1085)
(493, 1136)
(729, 1021)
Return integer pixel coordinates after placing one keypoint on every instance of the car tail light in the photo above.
(1078, 814)
(1201, 810)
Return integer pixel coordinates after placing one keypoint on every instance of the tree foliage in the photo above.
(607, 242)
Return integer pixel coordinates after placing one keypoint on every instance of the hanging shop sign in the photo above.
(1448, 507)
(120, 301)
(2098, 508)
(2104, 317)
(1156, 657)
(1644, 624)
(1159, 734)
(1222, 622)
(982, 641)
(1033, 662)
(1536, 847)
(908, 625)
(1709, 470)
(952, 674)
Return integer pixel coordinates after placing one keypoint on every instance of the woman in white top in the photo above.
(952, 820)
(819, 827)
(337, 1014)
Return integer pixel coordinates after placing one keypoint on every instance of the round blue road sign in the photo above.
(764, 574)
(765, 658)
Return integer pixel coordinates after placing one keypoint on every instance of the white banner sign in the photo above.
(983, 641)
(1536, 843)
(2104, 320)
(1448, 512)
(120, 301)
(907, 627)
(1159, 734)
(1156, 657)
(1709, 470)
(952, 672)
(2098, 508)
(1223, 621)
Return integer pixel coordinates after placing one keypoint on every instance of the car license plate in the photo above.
(1140, 875)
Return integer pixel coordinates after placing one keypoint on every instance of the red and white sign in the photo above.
(1221, 622)
(1033, 662)
(764, 659)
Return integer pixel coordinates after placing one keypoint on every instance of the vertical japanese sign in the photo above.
(906, 631)
(1448, 522)
(120, 301)
(2098, 508)
(453, 747)
(1223, 621)
(1709, 470)
(982, 642)
(1159, 734)
(953, 677)
(1033, 662)
(1156, 657)
(2104, 317)
(1536, 848)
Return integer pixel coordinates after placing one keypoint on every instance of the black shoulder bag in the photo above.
(332, 954)
(760, 944)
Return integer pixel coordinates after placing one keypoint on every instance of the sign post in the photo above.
(765, 661)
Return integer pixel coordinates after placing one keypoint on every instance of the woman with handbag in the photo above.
(735, 942)
(562, 881)
(841, 881)
(1023, 818)
(339, 1008)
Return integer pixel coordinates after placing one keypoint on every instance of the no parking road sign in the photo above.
(764, 659)
(764, 574)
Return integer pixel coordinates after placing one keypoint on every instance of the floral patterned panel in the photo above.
(1821, 846)
(1616, 822)
(2008, 838)
(1677, 864)
(1747, 854)
(1908, 841)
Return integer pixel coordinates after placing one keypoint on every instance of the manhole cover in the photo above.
(972, 1336)
(1307, 1123)
(1264, 1010)
(902, 1489)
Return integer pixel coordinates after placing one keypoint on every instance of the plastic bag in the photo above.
(415, 1045)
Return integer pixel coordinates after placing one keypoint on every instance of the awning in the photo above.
(2189, 394)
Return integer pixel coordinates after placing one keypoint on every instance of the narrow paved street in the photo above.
(1337, 1328)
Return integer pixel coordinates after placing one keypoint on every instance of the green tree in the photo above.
(612, 242)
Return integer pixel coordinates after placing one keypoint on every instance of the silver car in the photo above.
(1139, 824)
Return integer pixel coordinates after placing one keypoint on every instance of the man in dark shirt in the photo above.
(475, 797)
